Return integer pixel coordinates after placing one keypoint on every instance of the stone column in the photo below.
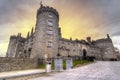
(69, 63)
(58, 63)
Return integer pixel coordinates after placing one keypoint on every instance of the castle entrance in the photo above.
(84, 54)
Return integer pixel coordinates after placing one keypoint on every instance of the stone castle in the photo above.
(45, 41)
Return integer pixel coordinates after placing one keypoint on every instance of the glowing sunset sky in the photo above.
(78, 18)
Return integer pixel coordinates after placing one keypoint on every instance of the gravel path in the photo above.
(101, 70)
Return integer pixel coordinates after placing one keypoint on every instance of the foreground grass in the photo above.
(76, 63)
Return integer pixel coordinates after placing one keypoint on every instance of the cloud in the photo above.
(116, 41)
(3, 49)
(116, 34)
(78, 18)
(14, 10)
(15, 16)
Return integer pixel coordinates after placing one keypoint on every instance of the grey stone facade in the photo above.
(45, 40)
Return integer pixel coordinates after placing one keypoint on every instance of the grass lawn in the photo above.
(76, 63)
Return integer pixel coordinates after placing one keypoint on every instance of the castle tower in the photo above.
(46, 33)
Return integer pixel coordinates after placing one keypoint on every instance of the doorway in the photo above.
(84, 54)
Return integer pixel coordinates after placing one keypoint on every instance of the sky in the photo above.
(78, 19)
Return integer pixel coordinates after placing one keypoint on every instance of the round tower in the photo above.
(45, 43)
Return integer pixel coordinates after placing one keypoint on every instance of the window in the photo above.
(50, 23)
(50, 32)
(20, 52)
(29, 49)
(49, 44)
(50, 16)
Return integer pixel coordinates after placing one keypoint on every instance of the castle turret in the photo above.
(11, 52)
(60, 35)
(108, 36)
(32, 31)
(46, 33)
(28, 35)
(19, 35)
(89, 40)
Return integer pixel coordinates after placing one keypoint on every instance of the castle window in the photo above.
(50, 28)
(20, 52)
(49, 44)
(29, 49)
(50, 23)
(50, 32)
(50, 16)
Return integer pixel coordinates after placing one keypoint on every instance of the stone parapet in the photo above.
(43, 9)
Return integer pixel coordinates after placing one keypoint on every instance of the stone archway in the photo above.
(84, 53)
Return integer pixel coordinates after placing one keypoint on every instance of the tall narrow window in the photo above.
(50, 16)
(49, 32)
(49, 44)
(50, 23)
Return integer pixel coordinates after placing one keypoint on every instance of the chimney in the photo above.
(28, 35)
(108, 36)
(32, 31)
(89, 39)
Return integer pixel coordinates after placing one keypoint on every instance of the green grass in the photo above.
(64, 64)
(80, 62)
(41, 66)
(76, 63)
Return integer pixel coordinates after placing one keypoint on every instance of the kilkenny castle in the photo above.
(45, 41)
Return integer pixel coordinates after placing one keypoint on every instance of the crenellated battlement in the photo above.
(46, 9)
(13, 37)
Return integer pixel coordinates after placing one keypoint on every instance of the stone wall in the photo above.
(107, 48)
(94, 51)
(72, 46)
(11, 64)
